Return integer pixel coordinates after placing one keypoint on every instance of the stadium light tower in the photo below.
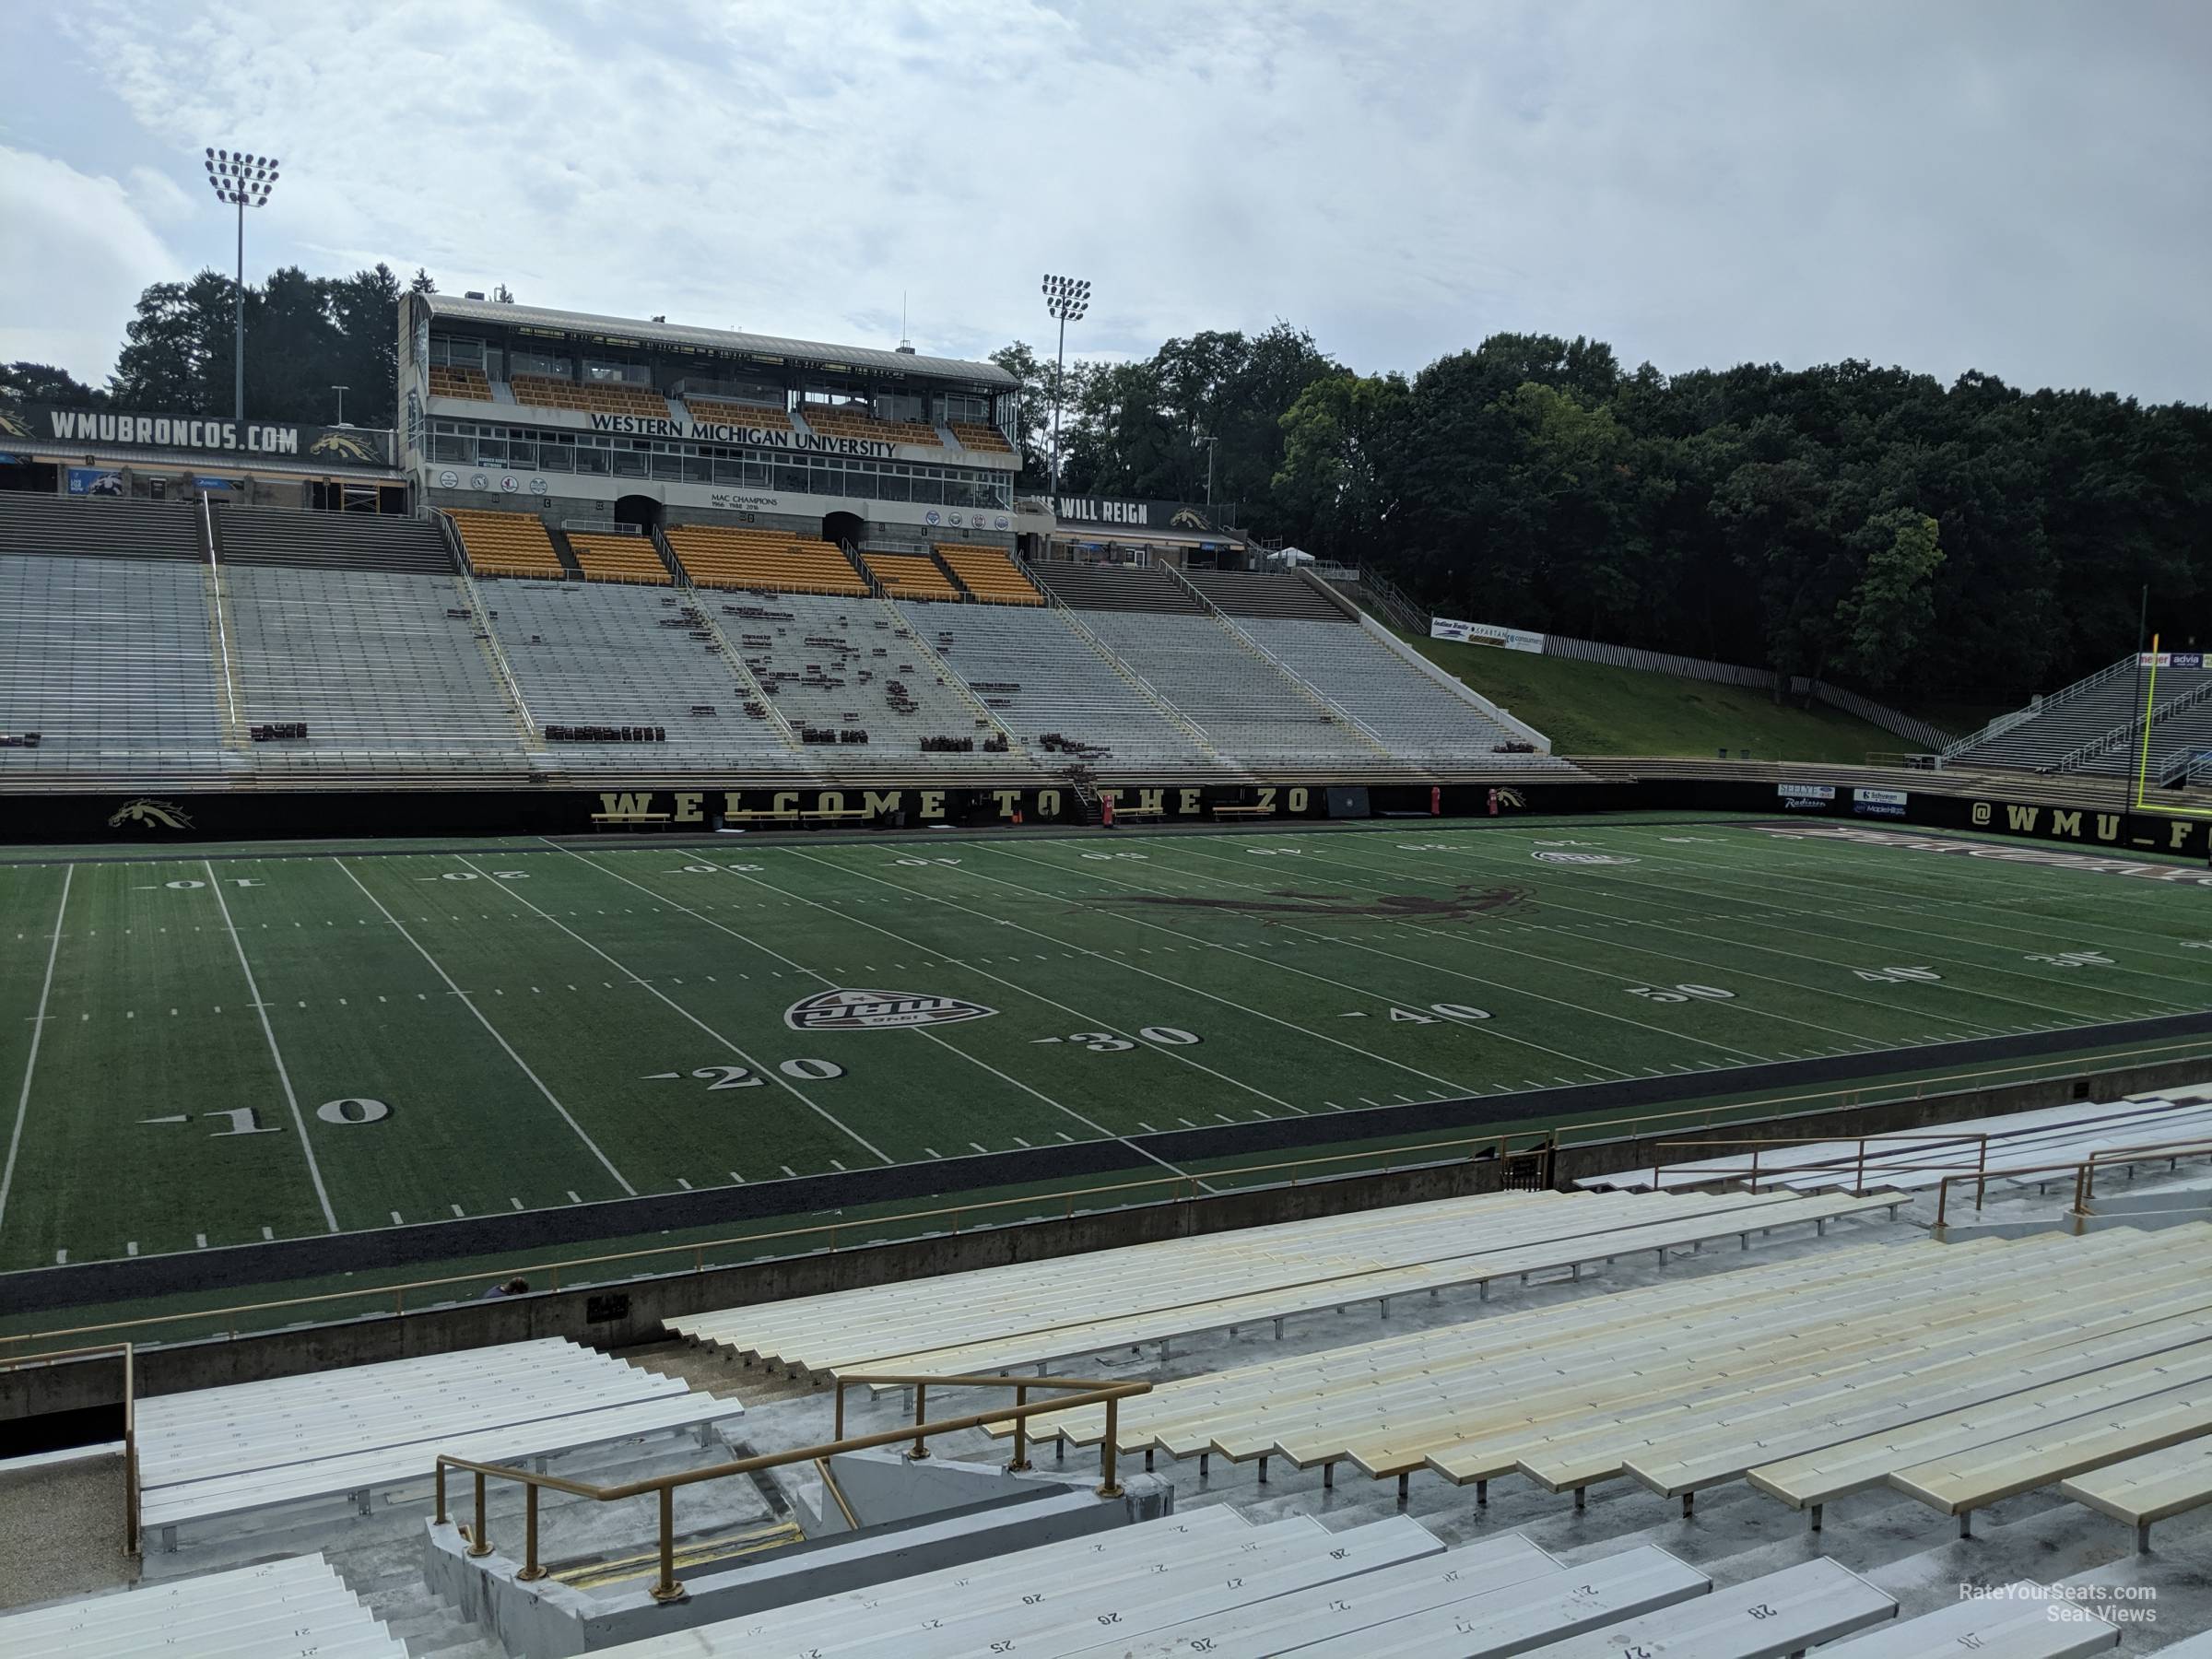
(242, 180)
(1065, 299)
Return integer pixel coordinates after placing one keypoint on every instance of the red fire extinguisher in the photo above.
(1493, 802)
(1436, 800)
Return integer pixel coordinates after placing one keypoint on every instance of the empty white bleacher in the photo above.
(1028, 1314)
(1419, 718)
(224, 1452)
(111, 660)
(1032, 670)
(2022, 1620)
(2053, 731)
(380, 666)
(1734, 1373)
(852, 664)
(1065, 1598)
(1249, 710)
(2143, 1490)
(275, 1610)
(1921, 1158)
(607, 655)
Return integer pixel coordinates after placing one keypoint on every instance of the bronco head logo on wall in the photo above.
(151, 815)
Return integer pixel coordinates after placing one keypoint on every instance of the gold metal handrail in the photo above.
(130, 1419)
(2084, 1170)
(1179, 1188)
(1081, 1391)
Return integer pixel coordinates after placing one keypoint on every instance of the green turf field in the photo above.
(198, 1051)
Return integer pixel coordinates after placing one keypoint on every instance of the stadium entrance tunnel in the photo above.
(638, 509)
(844, 529)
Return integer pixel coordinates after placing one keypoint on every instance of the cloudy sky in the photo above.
(2010, 185)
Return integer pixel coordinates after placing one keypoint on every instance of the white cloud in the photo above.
(77, 254)
(2009, 184)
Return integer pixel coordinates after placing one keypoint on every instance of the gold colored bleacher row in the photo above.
(725, 556)
(600, 397)
(506, 544)
(452, 381)
(910, 576)
(978, 437)
(618, 559)
(989, 574)
(834, 422)
(766, 415)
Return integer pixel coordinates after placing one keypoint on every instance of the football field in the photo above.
(261, 1044)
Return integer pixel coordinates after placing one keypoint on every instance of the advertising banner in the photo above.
(95, 481)
(1878, 802)
(1483, 633)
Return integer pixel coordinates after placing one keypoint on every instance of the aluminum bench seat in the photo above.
(281, 1610)
(1766, 1618)
(1315, 1613)
(2155, 1487)
(1522, 1620)
(2016, 1621)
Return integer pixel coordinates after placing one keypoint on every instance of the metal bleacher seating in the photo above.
(604, 557)
(735, 556)
(333, 541)
(1415, 716)
(1263, 594)
(507, 544)
(96, 527)
(1248, 708)
(910, 576)
(974, 435)
(218, 1453)
(1955, 1375)
(110, 662)
(840, 664)
(1106, 587)
(1026, 1314)
(273, 1610)
(454, 380)
(616, 656)
(381, 665)
(1920, 1160)
(854, 420)
(2052, 732)
(771, 416)
(989, 574)
(599, 397)
(1033, 671)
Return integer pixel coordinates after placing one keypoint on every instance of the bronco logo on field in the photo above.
(878, 1011)
(152, 814)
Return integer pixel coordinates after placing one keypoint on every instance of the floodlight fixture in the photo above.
(239, 180)
(1065, 300)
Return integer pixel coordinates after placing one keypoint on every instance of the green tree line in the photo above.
(1862, 525)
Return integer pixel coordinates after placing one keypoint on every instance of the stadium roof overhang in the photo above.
(773, 350)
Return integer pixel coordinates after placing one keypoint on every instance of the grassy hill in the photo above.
(1592, 708)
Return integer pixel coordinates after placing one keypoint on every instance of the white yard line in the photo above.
(1736, 969)
(1288, 1025)
(469, 1002)
(1487, 1028)
(1611, 879)
(1852, 898)
(797, 967)
(38, 1029)
(767, 1072)
(253, 994)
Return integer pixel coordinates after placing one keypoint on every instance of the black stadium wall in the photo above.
(694, 809)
